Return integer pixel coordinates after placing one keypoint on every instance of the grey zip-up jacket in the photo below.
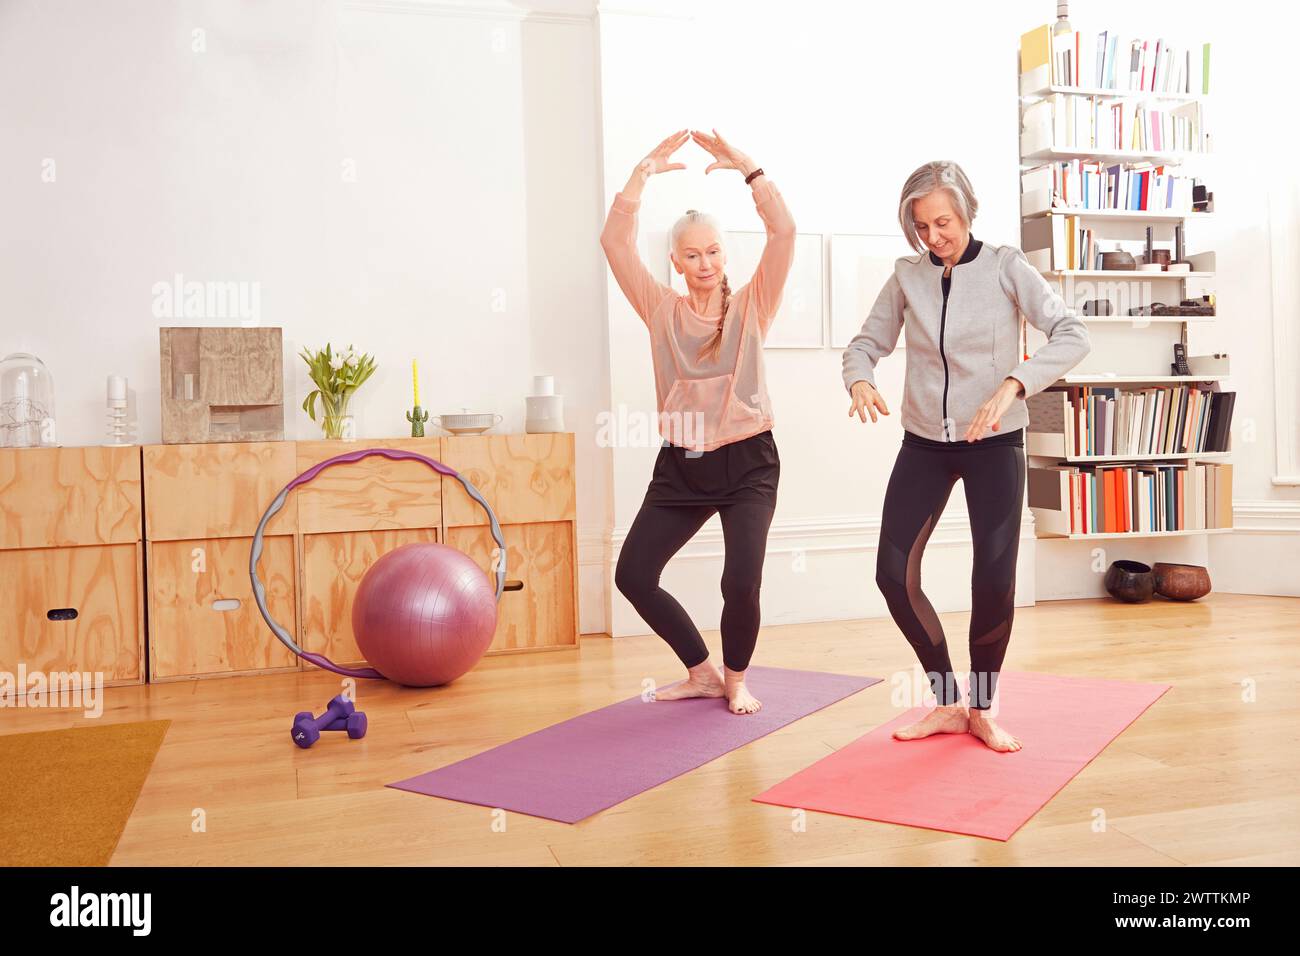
(963, 337)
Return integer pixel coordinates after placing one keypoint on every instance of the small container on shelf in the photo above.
(26, 402)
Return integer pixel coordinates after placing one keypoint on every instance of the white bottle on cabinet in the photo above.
(544, 411)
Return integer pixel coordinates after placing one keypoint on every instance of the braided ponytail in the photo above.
(714, 345)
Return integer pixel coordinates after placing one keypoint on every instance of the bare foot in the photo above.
(992, 735)
(739, 699)
(703, 680)
(948, 719)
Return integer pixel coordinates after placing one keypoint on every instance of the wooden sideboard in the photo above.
(71, 562)
(162, 533)
(203, 502)
(201, 508)
(529, 481)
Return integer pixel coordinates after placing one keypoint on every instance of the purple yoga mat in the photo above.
(570, 770)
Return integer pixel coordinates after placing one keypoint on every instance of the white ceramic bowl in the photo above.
(467, 423)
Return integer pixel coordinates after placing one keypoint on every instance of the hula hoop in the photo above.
(259, 590)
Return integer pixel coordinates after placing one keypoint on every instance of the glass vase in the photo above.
(26, 402)
(338, 423)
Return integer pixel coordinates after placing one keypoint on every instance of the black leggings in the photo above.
(993, 475)
(657, 533)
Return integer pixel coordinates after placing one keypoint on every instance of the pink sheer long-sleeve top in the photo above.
(706, 402)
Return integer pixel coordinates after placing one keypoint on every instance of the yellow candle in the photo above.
(415, 380)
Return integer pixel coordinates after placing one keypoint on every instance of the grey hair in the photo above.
(941, 174)
(692, 217)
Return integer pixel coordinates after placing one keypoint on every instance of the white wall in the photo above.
(419, 180)
(838, 103)
(486, 141)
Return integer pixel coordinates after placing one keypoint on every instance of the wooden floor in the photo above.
(1202, 778)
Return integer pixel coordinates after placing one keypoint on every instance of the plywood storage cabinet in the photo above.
(71, 562)
(529, 481)
(203, 502)
(202, 505)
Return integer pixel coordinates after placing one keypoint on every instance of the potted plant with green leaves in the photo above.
(337, 376)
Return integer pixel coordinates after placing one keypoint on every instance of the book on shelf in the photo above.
(1093, 185)
(1072, 121)
(1107, 60)
(1090, 420)
(1138, 497)
(1056, 243)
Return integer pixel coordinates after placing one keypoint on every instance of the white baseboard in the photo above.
(1256, 557)
(1259, 557)
(824, 569)
(816, 570)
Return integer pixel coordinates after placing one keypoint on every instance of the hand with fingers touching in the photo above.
(866, 399)
(991, 412)
(724, 154)
(658, 159)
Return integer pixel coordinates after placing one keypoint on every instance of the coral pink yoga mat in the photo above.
(953, 782)
(578, 767)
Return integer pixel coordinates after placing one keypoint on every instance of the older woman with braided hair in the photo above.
(718, 454)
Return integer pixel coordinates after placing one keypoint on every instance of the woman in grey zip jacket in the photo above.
(960, 300)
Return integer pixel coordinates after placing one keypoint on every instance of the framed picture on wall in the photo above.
(800, 321)
(860, 267)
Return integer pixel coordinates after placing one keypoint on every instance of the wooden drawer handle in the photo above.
(61, 614)
(513, 586)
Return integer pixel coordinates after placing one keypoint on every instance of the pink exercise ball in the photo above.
(424, 614)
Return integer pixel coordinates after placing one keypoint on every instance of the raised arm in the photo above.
(773, 269)
(618, 239)
(1068, 342)
(778, 254)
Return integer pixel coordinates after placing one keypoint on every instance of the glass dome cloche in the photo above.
(26, 402)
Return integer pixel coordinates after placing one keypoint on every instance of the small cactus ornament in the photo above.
(417, 417)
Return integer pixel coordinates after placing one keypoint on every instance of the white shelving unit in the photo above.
(1111, 156)
(1138, 379)
(1037, 149)
(1136, 215)
(1131, 319)
(1185, 456)
(1130, 274)
(1133, 534)
(1110, 94)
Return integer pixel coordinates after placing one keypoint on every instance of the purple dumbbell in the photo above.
(307, 729)
(355, 723)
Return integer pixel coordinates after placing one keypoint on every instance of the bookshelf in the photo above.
(1092, 536)
(1135, 379)
(1135, 215)
(1097, 175)
(1205, 455)
(1124, 274)
(1128, 319)
(1048, 153)
(1107, 93)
